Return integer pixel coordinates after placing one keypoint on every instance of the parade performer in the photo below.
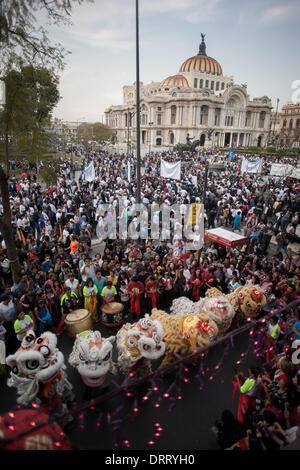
(139, 344)
(39, 373)
(135, 289)
(92, 357)
(243, 302)
(248, 391)
(152, 290)
(184, 334)
(90, 293)
(68, 303)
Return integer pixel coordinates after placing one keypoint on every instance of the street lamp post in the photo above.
(73, 171)
(138, 126)
(150, 124)
(128, 131)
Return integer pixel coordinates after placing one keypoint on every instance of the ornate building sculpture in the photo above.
(199, 101)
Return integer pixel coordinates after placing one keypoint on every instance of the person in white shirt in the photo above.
(7, 309)
(87, 270)
(73, 284)
(48, 228)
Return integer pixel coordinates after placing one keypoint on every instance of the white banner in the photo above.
(170, 170)
(194, 179)
(251, 166)
(90, 173)
(296, 173)
(281, 169)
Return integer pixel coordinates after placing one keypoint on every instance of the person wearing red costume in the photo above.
(248, 389)
(152, 290)
(136, 290)
(196, 284)
(208, 278)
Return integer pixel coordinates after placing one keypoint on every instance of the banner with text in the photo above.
(251, 166)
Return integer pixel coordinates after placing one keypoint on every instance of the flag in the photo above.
(170, 170)
(90, 174)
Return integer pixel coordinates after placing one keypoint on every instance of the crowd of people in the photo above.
(61, 269)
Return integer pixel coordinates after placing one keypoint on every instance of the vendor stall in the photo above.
(225, 237)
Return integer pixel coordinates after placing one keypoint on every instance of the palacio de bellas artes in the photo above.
(198, 102)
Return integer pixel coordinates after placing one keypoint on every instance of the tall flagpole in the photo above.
(138, 127)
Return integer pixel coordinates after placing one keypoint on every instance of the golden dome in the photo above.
(201, 62)
(175, 80)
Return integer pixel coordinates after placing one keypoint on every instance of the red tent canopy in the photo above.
(225, 237)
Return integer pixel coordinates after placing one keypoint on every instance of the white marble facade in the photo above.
(199, 101)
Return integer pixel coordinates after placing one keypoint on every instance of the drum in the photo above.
(78, 321)
(112, 314)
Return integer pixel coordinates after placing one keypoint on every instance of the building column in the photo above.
(230, 141)
(223, 139)
(210, 119)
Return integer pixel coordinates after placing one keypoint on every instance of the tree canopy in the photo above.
(31, 95)
(97, 132)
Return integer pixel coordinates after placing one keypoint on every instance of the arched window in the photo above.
(172, 138)
(291, 124)
(298, 124)
(212, 84)
(284, 123)
(173, 114)
(217, 86)
(223, 85)
(195, 82)
(201, 83)
(206, 83)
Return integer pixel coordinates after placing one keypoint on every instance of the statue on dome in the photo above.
(202, 47)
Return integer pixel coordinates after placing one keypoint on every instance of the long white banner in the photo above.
(170, 170)
(281, 169)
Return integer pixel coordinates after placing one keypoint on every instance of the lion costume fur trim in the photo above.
(174, 338)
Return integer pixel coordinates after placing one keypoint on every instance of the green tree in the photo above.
(97, 132)
(43, 95)
(23, 40)
(31, 94)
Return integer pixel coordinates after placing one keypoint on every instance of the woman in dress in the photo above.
(90, 292)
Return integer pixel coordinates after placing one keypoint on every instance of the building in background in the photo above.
(197, 103)
(289, 131)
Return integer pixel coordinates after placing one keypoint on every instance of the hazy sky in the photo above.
(256, 41)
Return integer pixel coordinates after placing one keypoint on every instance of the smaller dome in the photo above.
(176, 80)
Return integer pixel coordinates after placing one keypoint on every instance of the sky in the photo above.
(255, 41)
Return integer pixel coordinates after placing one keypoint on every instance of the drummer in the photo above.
(109, 293)
(68, 303)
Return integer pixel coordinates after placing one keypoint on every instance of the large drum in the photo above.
(112, 314)
(78, 321)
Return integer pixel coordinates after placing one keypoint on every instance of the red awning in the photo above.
(225, 237)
